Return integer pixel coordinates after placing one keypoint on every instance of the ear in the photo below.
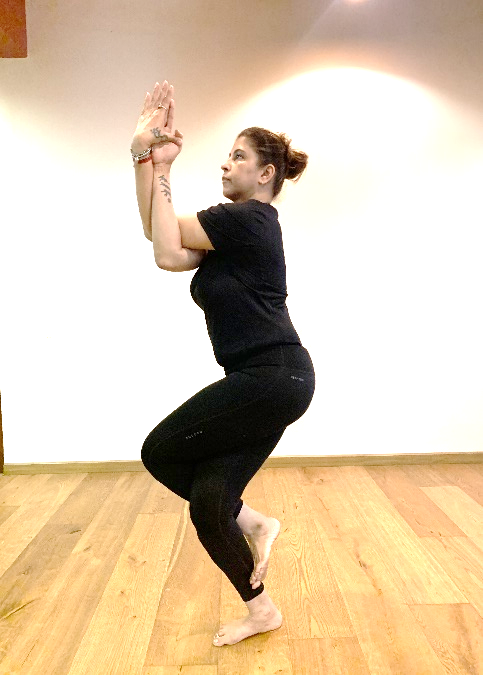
(266, 174)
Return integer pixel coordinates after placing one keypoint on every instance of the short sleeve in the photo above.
(233, 226)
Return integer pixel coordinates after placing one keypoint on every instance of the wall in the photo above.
(382, 235)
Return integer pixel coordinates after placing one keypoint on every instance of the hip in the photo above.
(293, 356)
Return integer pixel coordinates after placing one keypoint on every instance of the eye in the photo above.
(238, 155)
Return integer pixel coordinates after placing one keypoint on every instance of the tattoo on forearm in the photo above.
(157, 134)
(165, 187)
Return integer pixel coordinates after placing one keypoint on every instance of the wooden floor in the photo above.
(376, 570)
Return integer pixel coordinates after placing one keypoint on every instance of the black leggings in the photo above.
(208, 449)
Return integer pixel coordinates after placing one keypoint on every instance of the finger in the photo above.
(160, 94)
(170, 117)
(155, 95)
(147, 101)
(165, 137)
(163, 92)
(167, 99)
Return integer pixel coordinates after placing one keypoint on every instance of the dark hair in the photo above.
(275, 149)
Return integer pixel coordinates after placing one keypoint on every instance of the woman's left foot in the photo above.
(238, 630)
(260, 542)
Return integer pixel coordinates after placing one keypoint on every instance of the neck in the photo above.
(262, 195)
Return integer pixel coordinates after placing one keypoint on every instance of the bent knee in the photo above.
(147, 452)
(208, 512)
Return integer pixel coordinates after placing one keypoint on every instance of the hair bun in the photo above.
(296, 163)
(275, 148)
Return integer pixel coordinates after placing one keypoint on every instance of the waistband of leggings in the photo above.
(291, 355)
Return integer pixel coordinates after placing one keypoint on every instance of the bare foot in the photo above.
(260, 541)
(238, 630)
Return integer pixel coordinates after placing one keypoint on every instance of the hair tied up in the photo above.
(295, 160)
(276, 149)
(296, 164)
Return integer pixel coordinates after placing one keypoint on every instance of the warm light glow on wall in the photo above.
(387, 219)
(346, 111)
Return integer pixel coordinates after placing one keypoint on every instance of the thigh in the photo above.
(218, 419)
(218, 482)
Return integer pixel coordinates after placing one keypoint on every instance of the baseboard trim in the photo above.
(271, 463)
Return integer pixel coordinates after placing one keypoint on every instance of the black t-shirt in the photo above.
(241, 285)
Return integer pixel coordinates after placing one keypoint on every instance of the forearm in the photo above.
(144, 192)
(166, 235)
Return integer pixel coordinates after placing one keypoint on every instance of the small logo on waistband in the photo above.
(300, 379)
(196, 433)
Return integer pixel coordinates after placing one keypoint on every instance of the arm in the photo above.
(144, 191)
(178, 244)
(169, 252)
(144, 136)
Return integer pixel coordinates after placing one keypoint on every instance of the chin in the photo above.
(229, 194)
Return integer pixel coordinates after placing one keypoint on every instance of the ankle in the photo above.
(261, 605)
(249, 520)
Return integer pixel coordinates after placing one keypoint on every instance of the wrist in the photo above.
(162, 167)
(139, 144)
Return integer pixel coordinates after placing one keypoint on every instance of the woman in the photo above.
(208, 449)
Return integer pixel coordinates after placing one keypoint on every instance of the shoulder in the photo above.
(252, 209)
(244, 210)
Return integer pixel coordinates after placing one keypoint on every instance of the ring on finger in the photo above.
(162, 106)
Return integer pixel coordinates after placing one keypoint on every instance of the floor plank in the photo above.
(30, 517)
(390, 640)
(328, 656)
(463, 561)
(189, 606)
(418, 577)
(120, 629)
(461, 508)
(417, 509)
(377, 569)
(31, 576)
(467, 477)
(312, 602)
(180, 670)
(16, 490)
(61, 617)
(456, 635)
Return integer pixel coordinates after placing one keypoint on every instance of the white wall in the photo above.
(382, 235)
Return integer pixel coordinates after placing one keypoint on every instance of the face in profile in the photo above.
(241, 172)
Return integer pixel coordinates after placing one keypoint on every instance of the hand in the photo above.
(155, 126)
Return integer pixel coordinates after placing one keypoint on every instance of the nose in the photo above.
(225, 166)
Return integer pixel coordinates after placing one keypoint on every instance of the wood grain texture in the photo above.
(377, 569)
(120, 629)
(2, 455)
(13, 29)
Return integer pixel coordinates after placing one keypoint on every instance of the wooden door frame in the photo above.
(1, 436)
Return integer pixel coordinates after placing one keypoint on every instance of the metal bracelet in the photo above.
(141, 155)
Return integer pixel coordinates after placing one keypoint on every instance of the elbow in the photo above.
(171, 261)
(164, 264)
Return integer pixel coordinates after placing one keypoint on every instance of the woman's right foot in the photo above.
(238, 630)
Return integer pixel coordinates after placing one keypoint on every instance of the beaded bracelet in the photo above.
(141, 155)
(146, 159)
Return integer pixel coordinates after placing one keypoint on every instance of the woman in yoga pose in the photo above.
(208, 449)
